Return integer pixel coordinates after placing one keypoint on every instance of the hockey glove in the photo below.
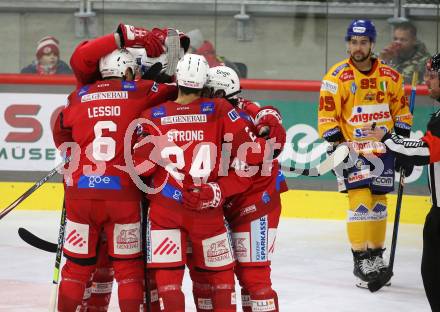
(268, 115)
(153, 72)
(152, 41)
(201, 198)
(268, 122)
(400, 163)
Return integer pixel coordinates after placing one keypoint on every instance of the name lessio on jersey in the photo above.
(369, 113)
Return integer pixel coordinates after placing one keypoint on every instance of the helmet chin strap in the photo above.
(232, 94)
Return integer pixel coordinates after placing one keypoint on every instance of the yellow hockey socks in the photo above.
(360, 201)
(378, 225)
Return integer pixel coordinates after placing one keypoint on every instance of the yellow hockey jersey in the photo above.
(350, 100)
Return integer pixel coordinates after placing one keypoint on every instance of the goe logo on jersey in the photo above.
(99, 182)
(369, 113)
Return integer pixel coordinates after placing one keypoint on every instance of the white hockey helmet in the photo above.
(192, 71)
(223, 78)
(116, 63)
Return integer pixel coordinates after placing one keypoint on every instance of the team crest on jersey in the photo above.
(83, 90)
(353, 87)
(158, 112)
(370, 96)
(233, 115)
(129, 85)
(207, 108)
(339, 68)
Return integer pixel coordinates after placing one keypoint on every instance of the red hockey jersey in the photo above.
(263, 195)
(96, 118)
(193, 137)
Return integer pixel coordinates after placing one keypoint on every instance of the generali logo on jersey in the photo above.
(369, 113)
(109, 95)
(178, 119)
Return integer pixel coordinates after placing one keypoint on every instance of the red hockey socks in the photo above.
(246, 303)
(169, 287)
(256, 282)
(101, 290)
(74, 278)
(223, 290)
(214, 290)
(130, 277)
(202, 294)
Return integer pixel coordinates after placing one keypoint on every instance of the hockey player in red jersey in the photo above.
(84, 62)
(99, 196)
(85, 58)
(190, 134)
(253, 214)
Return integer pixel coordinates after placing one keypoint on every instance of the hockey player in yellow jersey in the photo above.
(361, 91)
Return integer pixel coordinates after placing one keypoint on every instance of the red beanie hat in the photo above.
(47, 45)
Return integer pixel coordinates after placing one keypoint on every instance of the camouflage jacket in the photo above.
(416, 62)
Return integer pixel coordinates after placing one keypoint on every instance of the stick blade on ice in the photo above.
(381, 281)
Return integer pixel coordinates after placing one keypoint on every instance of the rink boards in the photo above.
(296, 203)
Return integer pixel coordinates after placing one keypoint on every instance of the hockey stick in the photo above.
(56, 269)
(173, 51)
(145, 203)
(37, 242)
(32, 189)
(336, 158)
(384, 278)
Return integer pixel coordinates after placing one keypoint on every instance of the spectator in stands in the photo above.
(199, 45)
(47, 59)
(405, 53)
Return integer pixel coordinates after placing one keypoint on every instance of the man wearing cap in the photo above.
(357, 92)
(47, 59)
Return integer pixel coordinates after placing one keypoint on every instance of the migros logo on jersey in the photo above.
(369, 113)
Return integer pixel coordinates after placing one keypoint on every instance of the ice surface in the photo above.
(312, 268)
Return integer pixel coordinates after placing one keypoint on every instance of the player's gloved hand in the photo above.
(268, 115)
(269, 125)
(152, 73)
(152, 41)
(401, 164)
(201, 198)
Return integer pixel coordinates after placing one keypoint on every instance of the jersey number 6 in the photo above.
(104, 147)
